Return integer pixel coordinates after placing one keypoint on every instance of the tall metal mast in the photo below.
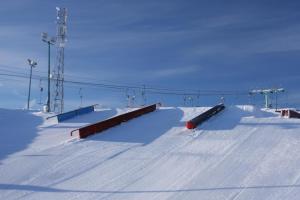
(58, 72)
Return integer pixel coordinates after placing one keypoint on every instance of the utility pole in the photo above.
(32, 64)
(198, 99)
(80, 96)
(41, 91)
(144, 98)
(50, 41)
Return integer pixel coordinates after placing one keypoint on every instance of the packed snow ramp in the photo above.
(243, 154)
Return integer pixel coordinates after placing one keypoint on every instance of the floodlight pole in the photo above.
(49, 41)
(48, 100)
(32, 64)
(276, 100)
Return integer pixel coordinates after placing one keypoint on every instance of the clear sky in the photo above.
(196, 44)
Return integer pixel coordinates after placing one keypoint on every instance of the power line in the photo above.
(149, 90)
(41, 72)
(182, 91)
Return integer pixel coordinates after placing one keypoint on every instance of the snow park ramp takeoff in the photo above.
(71, 114)
(114, 121)
(193, 123)
(244, 153)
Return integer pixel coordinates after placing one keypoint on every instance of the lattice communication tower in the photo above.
(58, 72)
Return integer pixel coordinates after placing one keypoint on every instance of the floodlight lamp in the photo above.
(31, 62)
(44, 36)
(53, 40)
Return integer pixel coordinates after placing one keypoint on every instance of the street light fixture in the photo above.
(32, 65)
(50, 41)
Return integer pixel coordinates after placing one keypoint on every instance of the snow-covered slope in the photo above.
(243, 153)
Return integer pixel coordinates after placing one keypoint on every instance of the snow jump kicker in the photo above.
(193, 123)
(114, 121)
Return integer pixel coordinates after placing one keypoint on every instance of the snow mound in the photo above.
(242, 153)
(17, 128)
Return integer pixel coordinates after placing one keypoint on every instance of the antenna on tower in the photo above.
(58, 72)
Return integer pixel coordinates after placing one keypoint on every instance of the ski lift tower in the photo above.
(58, 72)
(266, 93)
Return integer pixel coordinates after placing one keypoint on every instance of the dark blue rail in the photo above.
(68, 115)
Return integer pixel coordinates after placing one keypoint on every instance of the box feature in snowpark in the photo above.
(71, 114)
(114, 121)
(193, 123)
(290, 113)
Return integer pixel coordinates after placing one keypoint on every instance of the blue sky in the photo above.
(199, 45)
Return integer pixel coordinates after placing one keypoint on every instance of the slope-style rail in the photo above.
(114, 121)
(68, 115)
(290, 113)
(193, 123)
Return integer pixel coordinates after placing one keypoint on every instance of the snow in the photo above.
(243, 153)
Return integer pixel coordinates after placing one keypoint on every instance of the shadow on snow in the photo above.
(143, 129)
(33, 188)
(231, 117)
(19, 130)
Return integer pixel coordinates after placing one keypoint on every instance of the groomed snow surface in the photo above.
(242, 153)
